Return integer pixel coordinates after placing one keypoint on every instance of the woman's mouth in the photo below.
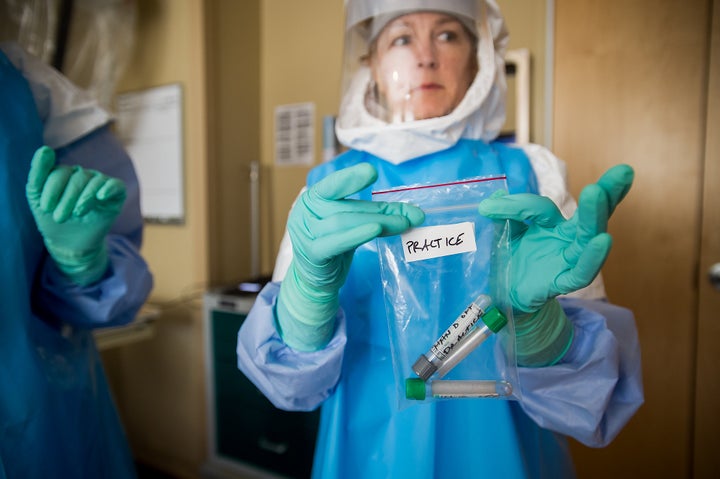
(430, 86)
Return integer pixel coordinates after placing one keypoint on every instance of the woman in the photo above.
(426, 103)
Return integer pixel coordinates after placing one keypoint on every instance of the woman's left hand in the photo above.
(551, 255)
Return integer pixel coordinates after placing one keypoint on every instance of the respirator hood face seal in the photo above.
(479, 115)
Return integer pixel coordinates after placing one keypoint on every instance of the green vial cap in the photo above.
(494, 319)
(415, 388)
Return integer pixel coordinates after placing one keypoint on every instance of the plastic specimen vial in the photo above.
(416, 388)
(452, 341)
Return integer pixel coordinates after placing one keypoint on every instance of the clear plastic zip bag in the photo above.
(446, 296)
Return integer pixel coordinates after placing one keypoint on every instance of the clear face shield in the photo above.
(411, 60)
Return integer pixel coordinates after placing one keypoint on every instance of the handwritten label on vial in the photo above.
(435, 241)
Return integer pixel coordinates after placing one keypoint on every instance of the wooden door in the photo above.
(706, 459)
(631, 86)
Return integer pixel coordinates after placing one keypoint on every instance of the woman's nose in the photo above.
(426, 56)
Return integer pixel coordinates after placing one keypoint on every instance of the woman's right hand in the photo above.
(325, 228)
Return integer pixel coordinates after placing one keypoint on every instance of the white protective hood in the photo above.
(480, 115)
(67, 112)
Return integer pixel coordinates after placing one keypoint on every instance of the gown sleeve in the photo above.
(597, 387)
(291, 380)
(118, 296)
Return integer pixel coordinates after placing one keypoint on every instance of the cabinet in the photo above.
(247, 435)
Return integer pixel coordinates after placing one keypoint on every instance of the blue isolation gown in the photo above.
(57, 417)
(363, 433)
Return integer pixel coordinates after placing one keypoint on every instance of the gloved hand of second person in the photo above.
(74, 209)
(325, 229)
(553, 256)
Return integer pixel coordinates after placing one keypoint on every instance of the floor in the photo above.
(145, 471)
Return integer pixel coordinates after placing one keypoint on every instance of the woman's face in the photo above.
(423, 63)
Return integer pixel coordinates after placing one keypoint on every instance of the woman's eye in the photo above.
(401, 40)
(448, 36)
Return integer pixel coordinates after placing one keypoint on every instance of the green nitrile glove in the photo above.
(325, 229)
(553, 256)
(74, 209)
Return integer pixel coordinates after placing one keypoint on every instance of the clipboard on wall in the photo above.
(149, 124)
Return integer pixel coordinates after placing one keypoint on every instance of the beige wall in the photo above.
(233, 70)
(169, 50)
(301, 59)
(527, 24)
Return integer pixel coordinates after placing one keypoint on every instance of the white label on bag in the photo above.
(435, 241)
